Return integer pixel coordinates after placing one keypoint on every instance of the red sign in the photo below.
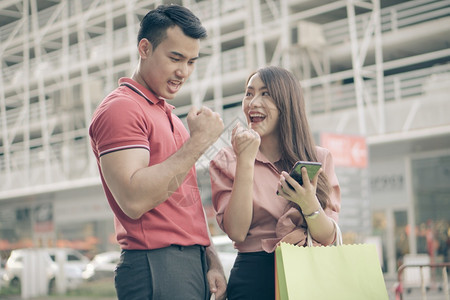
(347, 150)
(43, 227)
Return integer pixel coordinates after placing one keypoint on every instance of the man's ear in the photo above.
(144, 48)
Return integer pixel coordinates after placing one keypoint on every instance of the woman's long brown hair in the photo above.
(295, 135)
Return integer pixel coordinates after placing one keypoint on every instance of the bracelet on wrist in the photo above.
(312, 215)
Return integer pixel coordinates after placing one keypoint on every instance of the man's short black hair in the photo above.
(155, 23)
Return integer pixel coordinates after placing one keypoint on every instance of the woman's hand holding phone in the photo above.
(299, 186)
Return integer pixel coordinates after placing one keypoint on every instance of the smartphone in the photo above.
(311, 166)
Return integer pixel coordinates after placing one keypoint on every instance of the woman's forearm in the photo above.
(321, 228)
(238, 215)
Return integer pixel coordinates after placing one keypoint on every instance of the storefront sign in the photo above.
(347, 150)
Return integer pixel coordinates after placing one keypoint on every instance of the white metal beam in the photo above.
(256, 36)
(379, 66)
(217, 50)
(131, 22)
(390, 65)
(87, 106)
(109, 34)
(359, 52)
(26, 99)
(10, 13)
(4, 133)
(41, 90)
(66, 95)
(334, 5)
(8, 3)
(356, 63)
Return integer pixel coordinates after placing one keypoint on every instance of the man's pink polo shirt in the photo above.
(133, 117)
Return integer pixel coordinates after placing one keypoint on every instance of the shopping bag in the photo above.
(328, 272)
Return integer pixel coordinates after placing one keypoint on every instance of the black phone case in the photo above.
(311, 167)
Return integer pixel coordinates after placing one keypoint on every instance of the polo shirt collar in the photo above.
(262, 158)
(143, 91)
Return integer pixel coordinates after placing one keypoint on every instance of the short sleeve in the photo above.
(221, 170)
(119, 124)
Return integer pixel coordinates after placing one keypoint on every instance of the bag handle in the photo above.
(338, 240)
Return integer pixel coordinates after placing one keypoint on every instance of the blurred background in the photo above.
(376, 80)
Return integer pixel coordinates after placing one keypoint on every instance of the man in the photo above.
(147, 161)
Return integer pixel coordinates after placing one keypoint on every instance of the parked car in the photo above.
(226, 252)
(101, 266)
(74, 265)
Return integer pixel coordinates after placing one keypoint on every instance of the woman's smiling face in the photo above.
(259, 108)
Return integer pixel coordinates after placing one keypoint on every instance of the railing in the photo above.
(392, 19)
(396, 88)
(16, 115)
(399, 290)
(231, 60)
(43, 16)
(56, 61)
(204, 9)
(28, 168)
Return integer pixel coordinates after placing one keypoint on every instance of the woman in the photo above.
(246, 178)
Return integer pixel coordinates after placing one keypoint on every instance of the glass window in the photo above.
(431, 188)
(401, 236)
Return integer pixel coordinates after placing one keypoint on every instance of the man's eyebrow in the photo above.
(182, 56)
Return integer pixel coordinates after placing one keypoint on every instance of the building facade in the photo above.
(375, 73)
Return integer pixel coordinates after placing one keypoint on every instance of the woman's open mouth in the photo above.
(256, 117)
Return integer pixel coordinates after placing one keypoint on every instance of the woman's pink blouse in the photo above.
(268, 208)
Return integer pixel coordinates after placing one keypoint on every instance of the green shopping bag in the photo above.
(333, 272)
